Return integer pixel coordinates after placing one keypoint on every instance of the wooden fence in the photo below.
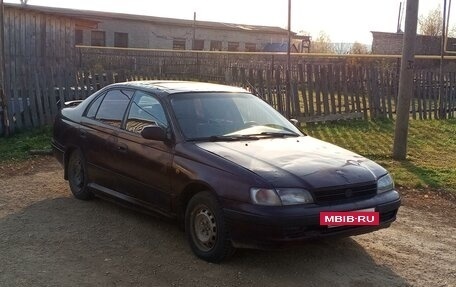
(321, 88)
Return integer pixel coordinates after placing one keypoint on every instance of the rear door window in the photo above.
(94, 107)
(113, 107)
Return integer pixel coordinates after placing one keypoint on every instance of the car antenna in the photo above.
(252, 87)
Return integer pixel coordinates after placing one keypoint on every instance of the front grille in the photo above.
(345, 193)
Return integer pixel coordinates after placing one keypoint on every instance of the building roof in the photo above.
(93, 15)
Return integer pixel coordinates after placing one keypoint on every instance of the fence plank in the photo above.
(303, 91)
(324, 89)
(49, 92)
(389, 91)
(345, 73)
(363, 89)
(332, 88)
(337, 88)
(318, 77)
(382, 94)
(424, 93)
(38, 100)
(358, 89)
(311, 88)
(278, 87)
(452, 96)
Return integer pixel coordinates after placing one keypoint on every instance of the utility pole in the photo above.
(194, 31)
(442, 97)
(406, 81)
(3, 95)
(288, 74)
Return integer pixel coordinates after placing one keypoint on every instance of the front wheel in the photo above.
(205, 228)
(77, 176)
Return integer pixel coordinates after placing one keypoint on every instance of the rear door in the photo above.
(101, 125)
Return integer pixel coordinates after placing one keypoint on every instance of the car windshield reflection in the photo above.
(228, 116)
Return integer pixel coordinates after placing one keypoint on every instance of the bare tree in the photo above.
(322, 44)
(431, 24)
(24, 2)
(341, 48)
(358, 48)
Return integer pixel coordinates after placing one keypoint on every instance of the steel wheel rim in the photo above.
(204, 228)
(77, 173)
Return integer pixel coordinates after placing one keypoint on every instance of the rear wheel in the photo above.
(206, 229)
(77, 176)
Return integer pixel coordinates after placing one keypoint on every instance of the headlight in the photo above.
(290, 196)
(280, 196)
(263, 196)
(385, 183)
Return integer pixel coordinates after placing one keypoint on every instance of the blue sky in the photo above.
(343, 20)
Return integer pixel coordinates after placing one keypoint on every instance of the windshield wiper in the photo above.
(225, 138)
(279, 134)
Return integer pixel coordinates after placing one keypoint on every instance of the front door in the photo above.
(145, 165)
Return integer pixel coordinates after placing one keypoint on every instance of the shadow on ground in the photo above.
(65, 242)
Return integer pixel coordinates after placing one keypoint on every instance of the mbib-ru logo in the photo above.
(349, 218)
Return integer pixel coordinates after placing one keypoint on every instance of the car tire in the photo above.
(206, 229)
(77, 176)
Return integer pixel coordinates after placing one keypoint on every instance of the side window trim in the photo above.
(101, 96)
(127, 111)
(127, 114)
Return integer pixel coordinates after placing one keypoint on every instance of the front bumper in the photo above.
(275, 227)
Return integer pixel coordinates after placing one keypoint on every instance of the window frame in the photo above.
(127, 112)
(103, 95)
(91, 38)
(251, 47)
(231, 45)
(216, 45)
(177, 44)
(89, 106)
(200, 46)
(117, 40)
(79, 35)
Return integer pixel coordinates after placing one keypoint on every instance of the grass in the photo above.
(431, 156)
(431, 160)
(17, 146)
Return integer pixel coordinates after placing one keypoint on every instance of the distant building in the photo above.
(107, 29)
(385, 43)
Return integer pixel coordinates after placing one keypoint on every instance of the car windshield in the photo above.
(228, 116)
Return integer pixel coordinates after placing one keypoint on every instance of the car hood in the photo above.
(298, 162)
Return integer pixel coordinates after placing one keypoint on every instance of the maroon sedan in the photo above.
(218, 159)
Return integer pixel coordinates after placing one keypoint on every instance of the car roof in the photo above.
(172, 87)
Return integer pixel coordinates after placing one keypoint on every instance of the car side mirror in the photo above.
(295, 122)
(155, 133)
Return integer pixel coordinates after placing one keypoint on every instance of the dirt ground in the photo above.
(48, 238)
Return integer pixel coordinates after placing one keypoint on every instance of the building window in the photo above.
(179, 44)
(120, 40)
(98, 38)
(78, 37)
(250, 47)
(216, 45)
(198, 45)
(233, 46)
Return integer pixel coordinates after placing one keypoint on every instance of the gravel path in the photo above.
(48, 238)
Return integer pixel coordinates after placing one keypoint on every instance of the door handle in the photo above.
(83, 133)
(122, 147)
